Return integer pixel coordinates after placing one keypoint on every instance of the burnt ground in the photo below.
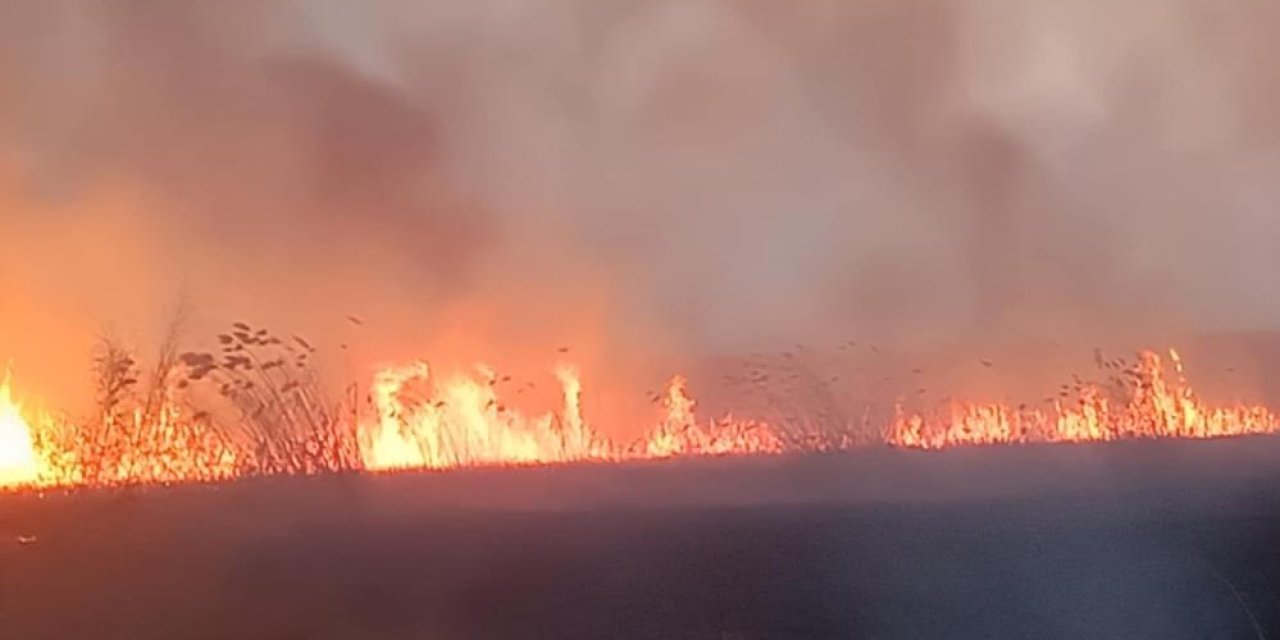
(1139, 540)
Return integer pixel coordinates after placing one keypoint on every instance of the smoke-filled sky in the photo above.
(639, 179)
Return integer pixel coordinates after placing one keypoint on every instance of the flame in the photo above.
(18, 461)
(166, 448)
(1144, 403)
(680, 433)
(460, 421)
(425, 420)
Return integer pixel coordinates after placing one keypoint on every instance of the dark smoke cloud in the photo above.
(730, 174)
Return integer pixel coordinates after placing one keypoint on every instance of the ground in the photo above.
(1137, 540)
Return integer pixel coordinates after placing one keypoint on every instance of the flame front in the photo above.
(423, 420)
(680, 433)
(18, 460)
(460, 421)
(1145, 404)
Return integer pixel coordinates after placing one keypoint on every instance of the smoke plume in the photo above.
(649, 181)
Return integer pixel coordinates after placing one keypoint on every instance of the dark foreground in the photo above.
(1144, 540)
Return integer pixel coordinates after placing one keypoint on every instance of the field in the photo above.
(1165, 539)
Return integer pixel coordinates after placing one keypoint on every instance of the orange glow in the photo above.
(460, 421)
(1142, 401)
(680, 433)
(422, 419)
(170, 448)
(18, 462)
(126, 450)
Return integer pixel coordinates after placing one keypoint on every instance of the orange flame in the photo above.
(1147, 404)
(426, 421)
(18, 461)
(460, 421)
(680, 433)
(166, 448)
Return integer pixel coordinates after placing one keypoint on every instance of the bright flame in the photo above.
(167, 447)
(459, 421)
(423, 420)
(1142, 403)
(680, 433)
(18, 460)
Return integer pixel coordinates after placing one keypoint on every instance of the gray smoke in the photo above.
(731, 175)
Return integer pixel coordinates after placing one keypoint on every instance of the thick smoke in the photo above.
(644, 179)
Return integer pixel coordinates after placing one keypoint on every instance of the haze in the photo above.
(649, 182)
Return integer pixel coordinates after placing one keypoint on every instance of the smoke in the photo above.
(639, 179)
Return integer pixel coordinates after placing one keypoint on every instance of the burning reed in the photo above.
(257, 406)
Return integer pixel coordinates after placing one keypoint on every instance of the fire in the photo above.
(1142, 401)
(422, 419)
(18, 460)
(460, 421)
(680, 433)
(165, 448)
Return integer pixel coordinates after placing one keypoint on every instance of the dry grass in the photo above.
(268, 393)
(256, 408)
